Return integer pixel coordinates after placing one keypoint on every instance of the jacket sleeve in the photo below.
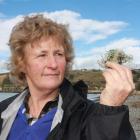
(109, 123)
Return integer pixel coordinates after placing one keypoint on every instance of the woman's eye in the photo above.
(60, 54)
(42, 55)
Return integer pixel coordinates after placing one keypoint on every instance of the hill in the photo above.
(2, 77)
(93, 78)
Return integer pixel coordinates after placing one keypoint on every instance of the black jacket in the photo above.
(85, 120)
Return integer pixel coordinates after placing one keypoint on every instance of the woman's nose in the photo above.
(51, 62)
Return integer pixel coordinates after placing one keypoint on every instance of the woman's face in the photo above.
(45, 65)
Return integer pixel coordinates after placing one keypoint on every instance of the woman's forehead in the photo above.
(50, 42)
(44, 45)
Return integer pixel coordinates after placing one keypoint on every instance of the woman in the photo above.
(49, 108)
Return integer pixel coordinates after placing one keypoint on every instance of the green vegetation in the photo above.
(136, 77)
(115, 55)
(93, 78)
(6, 85)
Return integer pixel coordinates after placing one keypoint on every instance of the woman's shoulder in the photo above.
(6, 102)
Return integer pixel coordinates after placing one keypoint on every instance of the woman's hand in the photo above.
(119, 84)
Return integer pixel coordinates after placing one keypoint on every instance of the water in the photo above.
(4, 96)
(94, 97)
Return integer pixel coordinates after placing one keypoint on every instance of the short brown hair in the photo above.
(34, 28)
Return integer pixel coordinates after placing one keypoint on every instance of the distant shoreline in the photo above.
(7, 92)
(89, 92)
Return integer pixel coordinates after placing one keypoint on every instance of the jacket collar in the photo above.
(9, 115)
(14, 106)
(72, 101)
(69, 95)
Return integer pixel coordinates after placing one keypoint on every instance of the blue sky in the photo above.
(96, 26)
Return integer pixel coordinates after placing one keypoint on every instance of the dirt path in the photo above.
(134, 107)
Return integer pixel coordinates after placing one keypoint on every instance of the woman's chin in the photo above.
(51, 85)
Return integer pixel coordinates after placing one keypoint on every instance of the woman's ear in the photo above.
(23, 67)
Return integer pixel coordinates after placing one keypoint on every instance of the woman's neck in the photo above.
(37, 101)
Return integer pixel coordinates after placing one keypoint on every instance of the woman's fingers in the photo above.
(118, 68)
(119, 84)
(124, 72)
(130, 78)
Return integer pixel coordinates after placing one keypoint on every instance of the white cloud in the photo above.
(5, 29)
(3, 66)
(81, 29)
(86, 30)
(129, 45)
(88, 62)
